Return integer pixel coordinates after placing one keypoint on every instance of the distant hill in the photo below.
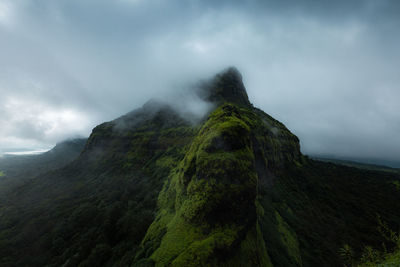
(16, 169)
(151, 188)
(359, 165)
(33, 165)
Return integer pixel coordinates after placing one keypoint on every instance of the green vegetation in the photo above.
(20, 167)
(370, 256)
(198, 213)
(327, 199)
(392, 259)
(289, 239)
(396, 184)
(18, 170)
(98, 208)
(364, 166)
(152, 189)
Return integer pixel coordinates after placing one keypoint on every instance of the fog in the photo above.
(329, 70)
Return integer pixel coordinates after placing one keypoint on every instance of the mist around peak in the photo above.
(191, 101)
(327, 69)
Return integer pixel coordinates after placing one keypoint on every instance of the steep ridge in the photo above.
(226, 86)
(208, 208)
(151, 188)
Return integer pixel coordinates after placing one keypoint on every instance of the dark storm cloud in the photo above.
(328, 69)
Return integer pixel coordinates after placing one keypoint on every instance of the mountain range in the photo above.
(232, 188)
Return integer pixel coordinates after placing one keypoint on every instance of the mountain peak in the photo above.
(152, 189)
(233, 72)
(226, 86)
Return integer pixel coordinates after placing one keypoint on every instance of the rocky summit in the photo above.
(153, 189)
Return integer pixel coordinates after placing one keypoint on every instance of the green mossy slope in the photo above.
(208, 208)
(151, 188)
(96, 210)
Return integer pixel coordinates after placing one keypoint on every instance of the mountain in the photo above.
(16, 170)
(359, 165)
(33, 165)
(152, 188)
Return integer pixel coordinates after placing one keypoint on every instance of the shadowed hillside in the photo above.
(152, 189)
(33, 165)
(16, 170)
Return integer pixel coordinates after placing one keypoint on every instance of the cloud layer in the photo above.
(328, 69)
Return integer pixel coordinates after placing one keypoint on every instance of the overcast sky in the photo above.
(329, 70)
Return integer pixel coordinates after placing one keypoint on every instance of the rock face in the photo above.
(208, 207)
(208, 204)
(152, 189)
(226, 86)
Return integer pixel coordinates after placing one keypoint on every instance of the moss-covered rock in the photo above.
(151, 188)
(208, 210)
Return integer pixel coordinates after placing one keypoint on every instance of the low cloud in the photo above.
(28, 124)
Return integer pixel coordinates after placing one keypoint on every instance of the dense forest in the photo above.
(153, 188)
